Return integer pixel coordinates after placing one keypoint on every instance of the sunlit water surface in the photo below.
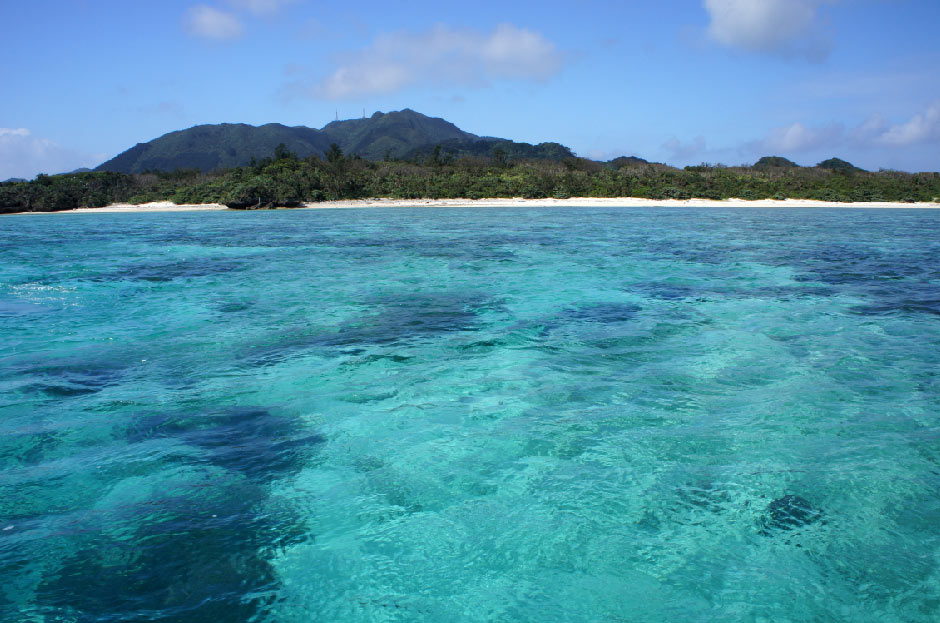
(471, 415)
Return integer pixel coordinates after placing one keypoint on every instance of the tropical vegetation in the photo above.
(286, 180)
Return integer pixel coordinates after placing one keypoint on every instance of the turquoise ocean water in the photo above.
(471, 415)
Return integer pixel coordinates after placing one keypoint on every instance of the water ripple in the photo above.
(471, 415)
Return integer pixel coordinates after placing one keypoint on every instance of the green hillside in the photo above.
(392, 135)
(508, 151)
(837, 164)
(382, 136)
(215, 147)
(775, 162)
(403, 135)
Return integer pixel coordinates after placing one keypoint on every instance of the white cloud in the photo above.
(205, 21)
(375, 76)
(442, 55)
(874, 132)
(921, 128)
(782, 27)
(519, 53)
(24, 155)
(261, 7)
(799, 138)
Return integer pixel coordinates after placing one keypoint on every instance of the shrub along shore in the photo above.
(288, 181)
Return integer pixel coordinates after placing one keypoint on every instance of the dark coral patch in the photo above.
(603, 313)
(248, 440)
(788, 513)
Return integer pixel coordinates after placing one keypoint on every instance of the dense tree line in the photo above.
(285, 180)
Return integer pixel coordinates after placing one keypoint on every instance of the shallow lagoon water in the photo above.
(471, 415)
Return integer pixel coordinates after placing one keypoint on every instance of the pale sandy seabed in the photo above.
(583, 202)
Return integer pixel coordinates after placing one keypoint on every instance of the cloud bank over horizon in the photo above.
(875, 131)
(24, 155)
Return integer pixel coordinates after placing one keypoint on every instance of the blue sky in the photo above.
(680, 81)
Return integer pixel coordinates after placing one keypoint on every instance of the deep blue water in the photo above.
(471, 415)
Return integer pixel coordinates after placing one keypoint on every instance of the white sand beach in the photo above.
(156, 206)
(518, 202)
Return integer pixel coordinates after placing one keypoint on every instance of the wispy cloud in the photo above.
(11, 132)
(798, 138)
(211, 23)
(261, 7)
(683, 152)
(921, 128)
(788, 28)
(441, 55)
(23, 154)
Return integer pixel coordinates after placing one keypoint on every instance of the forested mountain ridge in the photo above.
(383, 136)
(216, 147)
(392, 135)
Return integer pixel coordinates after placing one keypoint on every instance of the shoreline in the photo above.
(517, 202)
(610, 202)
(155, 206)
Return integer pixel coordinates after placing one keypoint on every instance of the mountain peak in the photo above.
(838, 164)
(769, 162)
(218, 146)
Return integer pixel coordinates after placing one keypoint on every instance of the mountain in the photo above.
(401, 134)
(837, 164)
(222, 146)
(394, 134)
(775, 162)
